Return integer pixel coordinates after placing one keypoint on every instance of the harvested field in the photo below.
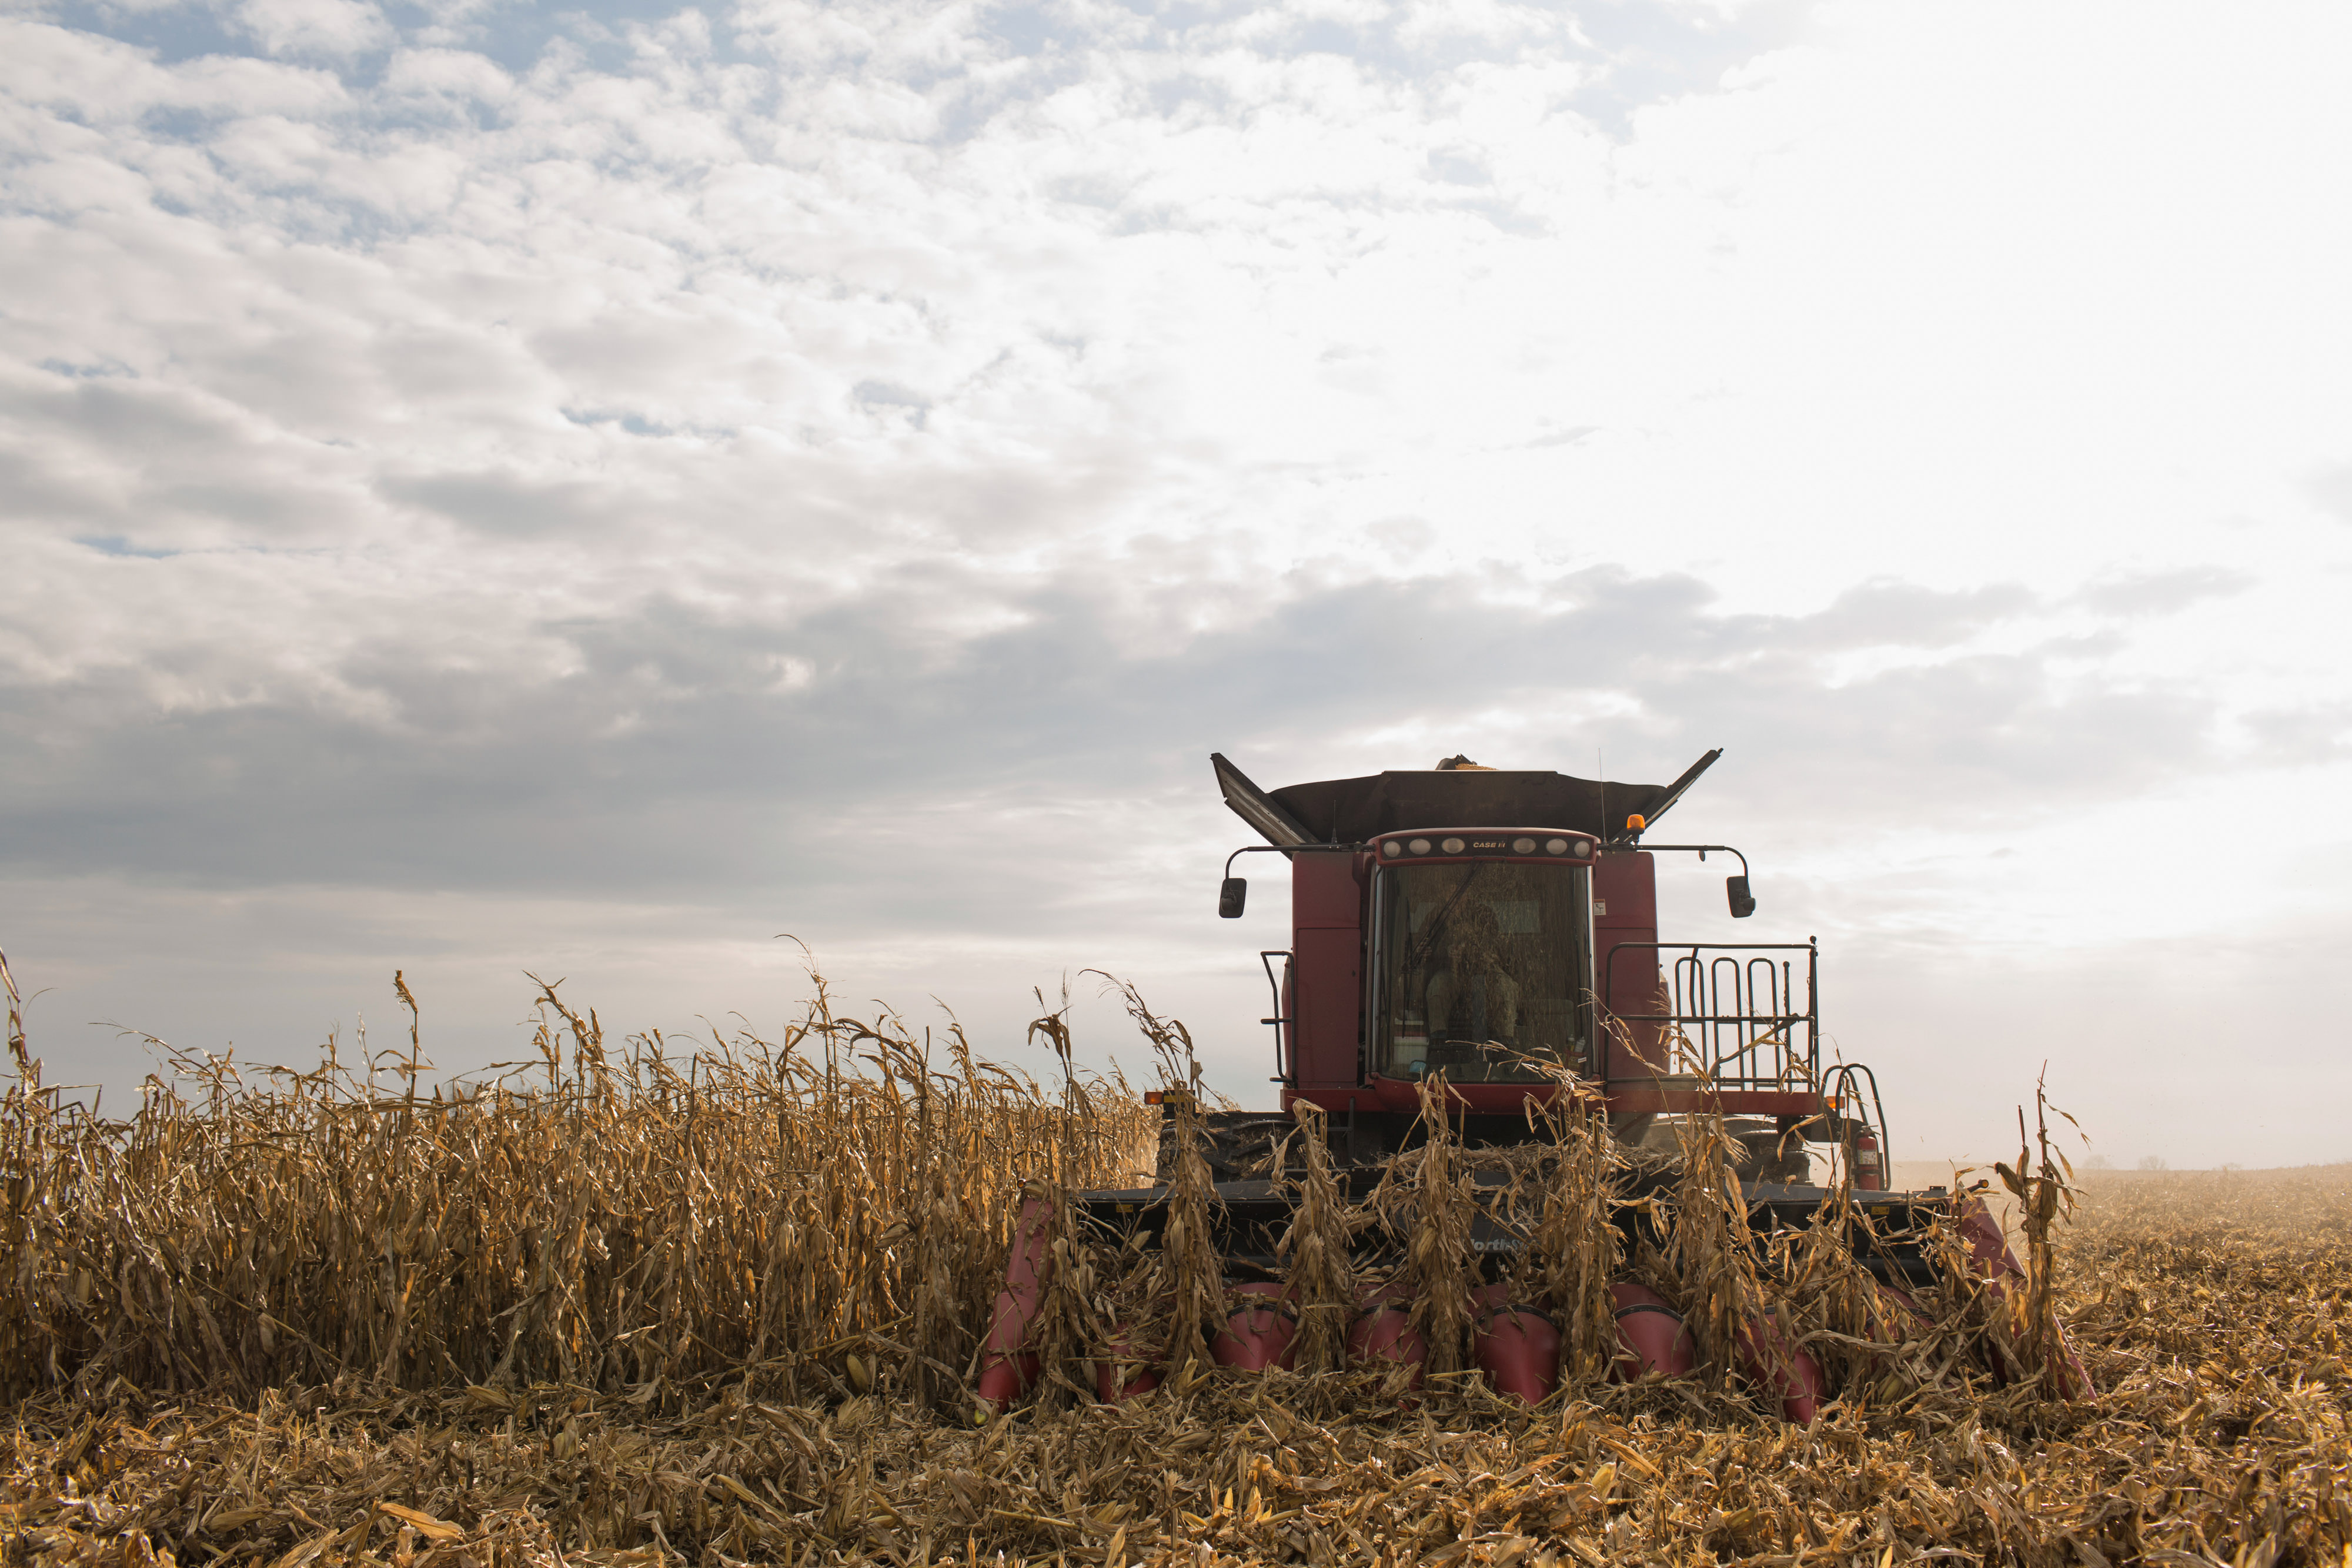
(720, 1305)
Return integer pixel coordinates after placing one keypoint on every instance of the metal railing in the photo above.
(1281, 1020)
(1733, 1014)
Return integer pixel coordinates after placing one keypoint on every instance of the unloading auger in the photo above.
(1474, 951)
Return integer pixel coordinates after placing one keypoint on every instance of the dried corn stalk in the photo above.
(1711, 1248)
(1427, 1200)
(1827, 1302)
(625, 1220)
(1188, 1289)
(1576, 1251)
(1317, 1248)
(2045, 1194)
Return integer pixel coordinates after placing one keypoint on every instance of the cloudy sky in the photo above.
(492, 486)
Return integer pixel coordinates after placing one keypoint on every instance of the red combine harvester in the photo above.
(1501, 928)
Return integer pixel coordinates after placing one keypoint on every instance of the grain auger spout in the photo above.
(1523, 1138)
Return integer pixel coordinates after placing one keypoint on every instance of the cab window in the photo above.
(1480, 965)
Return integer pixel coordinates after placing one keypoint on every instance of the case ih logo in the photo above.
(1490, 844)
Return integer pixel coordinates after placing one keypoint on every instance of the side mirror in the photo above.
(1743, 903)
(1231, 894)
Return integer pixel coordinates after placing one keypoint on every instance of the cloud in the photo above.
(2165, 593)
(673, 746)
(329, 28)
(2302, 736)
(1882, 613)
(504, 504)
(2332, 489)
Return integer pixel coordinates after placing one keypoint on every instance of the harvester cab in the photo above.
(1502, 928)
(1475, 962)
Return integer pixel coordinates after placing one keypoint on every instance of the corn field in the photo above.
(612, 1217)
(647, 1304)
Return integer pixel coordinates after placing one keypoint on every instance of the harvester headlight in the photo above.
(1419, 846)
(1554, 846)
(1451, 846)
(1392, 849)
(1581, 848)
(1523, 846)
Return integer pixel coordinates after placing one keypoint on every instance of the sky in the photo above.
(495, 489)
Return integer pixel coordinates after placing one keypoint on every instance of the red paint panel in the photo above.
(1387, 1334)
(1517, 1347)
(1483, 1099)
(1123, 1372)
(1492, 1098)
(1625, 909)
(1262, 1335)
(1009, 1362)
(1771, 1361)
(1327, 1001)
(1326, 968)
(1650, 1335)
(1327, 890)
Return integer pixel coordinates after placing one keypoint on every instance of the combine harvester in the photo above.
(1492, 936)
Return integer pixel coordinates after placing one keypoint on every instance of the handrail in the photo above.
(1282, 1073)
(1843, 1073)
(1761, 1013)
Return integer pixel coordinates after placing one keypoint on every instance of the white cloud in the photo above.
(2331, 487)
(332, 29)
